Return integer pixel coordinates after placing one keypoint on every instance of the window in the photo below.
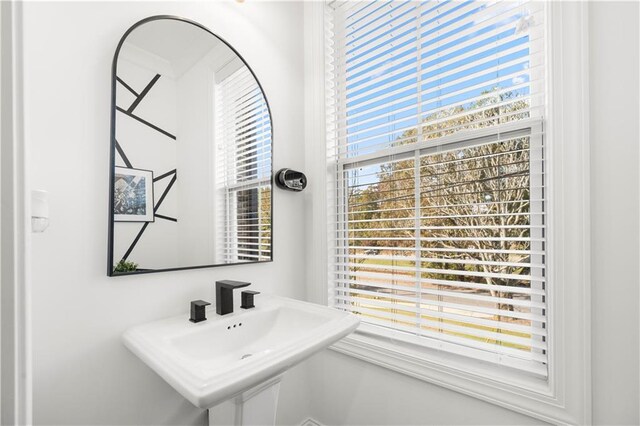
(435, 143)
(243, 134)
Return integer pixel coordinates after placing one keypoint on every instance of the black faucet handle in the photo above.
(198, 313)
(247, 299)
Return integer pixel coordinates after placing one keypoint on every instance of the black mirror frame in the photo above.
(112, 162)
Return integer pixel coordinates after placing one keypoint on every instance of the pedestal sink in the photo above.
(232, 364)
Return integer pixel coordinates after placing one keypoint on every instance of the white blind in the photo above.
(435, 147)
(243, 134)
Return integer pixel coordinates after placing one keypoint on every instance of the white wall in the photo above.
(615, 117)
(82, 372)
(349, 391)
(196, 166)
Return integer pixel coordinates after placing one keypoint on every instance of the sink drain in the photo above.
(246, 356)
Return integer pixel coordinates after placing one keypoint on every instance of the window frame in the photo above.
(565, 398)
(229, 245)
(532, 128)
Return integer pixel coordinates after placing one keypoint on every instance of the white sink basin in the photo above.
(215, 360)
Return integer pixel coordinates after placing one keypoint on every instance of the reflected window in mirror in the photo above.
(244, 147)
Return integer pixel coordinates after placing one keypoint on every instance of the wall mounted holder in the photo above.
(291, 180)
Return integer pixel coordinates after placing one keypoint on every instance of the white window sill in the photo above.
(495, 384)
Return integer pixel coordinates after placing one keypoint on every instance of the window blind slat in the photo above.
(470, 119)
(448, 283)
(458, 307)
(418, 328)
(455, 34)
(454, 327)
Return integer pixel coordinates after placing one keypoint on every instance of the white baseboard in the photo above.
(311, 422)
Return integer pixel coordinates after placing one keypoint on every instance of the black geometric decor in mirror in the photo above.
(191, 152)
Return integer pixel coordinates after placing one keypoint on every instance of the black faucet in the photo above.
(224, 295)
(197, 310)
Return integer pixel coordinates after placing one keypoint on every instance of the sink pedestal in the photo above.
(256, 406)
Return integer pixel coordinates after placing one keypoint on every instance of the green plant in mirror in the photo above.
(125, 266)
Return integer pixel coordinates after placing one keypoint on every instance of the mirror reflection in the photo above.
(191, 149)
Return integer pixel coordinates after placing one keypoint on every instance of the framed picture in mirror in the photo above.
(133, 195)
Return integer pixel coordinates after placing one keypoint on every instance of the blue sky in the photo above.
(392, 84)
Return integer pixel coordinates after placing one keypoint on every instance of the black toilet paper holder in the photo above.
(291, 180)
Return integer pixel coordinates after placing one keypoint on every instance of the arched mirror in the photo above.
(191, 152)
